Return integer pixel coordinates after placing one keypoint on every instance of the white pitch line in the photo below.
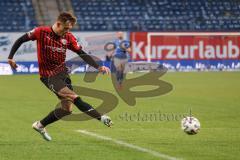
(154, 153)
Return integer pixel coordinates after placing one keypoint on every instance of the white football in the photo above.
(190, 125)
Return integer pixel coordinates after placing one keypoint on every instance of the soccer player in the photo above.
(52, 43)
(120, 57)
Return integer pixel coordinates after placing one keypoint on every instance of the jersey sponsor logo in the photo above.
(57, 49)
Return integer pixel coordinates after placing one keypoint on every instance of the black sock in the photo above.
(86, 108)
(53, 116)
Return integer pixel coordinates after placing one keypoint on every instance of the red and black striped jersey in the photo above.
(51, 49)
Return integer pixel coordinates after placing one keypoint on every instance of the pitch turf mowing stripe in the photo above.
(122, 143)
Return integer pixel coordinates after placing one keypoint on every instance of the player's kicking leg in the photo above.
(84, 107)
(61, 86)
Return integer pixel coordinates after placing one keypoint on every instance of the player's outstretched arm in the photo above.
(16, 45)
(88, 59)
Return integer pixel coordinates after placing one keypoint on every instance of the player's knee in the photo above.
(73, 97)
(67, 108)
(66, 105)
(68, 95)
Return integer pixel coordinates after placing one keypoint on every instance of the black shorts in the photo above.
(57, 82)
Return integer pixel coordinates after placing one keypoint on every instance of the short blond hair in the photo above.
(66, 17)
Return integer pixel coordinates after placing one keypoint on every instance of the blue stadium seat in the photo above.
(17, 15)
(137, 15)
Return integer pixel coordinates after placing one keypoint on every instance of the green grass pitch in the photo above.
(213, 97)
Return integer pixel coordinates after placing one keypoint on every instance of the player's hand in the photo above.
(12, 63)
(104, 69)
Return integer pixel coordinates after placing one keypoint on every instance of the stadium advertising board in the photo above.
(188, 50)
(26, 55)
(92, 42)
